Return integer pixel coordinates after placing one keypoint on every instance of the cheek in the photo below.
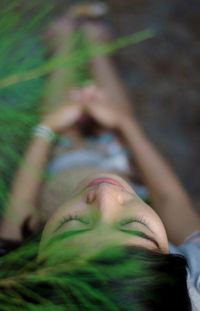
(150, 215)
(69, 208)
(51, 226)
(159, 229)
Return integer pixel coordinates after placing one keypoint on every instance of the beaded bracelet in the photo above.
(44, 131)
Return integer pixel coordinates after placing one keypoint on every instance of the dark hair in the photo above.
(159, 283)
(118, 278)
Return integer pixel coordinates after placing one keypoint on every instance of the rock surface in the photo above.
(163, 78)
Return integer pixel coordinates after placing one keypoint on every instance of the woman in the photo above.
(89, 190)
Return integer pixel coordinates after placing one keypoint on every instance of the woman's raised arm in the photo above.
(169, 199)
(25, 189)
(27, 182)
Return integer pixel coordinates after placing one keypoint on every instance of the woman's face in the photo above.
(105, 210)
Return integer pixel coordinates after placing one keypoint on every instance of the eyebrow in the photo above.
(141, 233)
(146, 237)
(134, 232)
(66, 221)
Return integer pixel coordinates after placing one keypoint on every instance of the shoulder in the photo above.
(6, 246)
(190, 249)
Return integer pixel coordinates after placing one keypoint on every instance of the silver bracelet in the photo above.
(45, 132)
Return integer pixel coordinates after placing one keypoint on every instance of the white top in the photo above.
(104, 151)
(190, 249)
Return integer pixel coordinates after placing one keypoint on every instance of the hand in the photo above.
(64, 117)
(99, 105)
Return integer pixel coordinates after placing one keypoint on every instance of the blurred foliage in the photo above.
(74, 283)
(20, 50)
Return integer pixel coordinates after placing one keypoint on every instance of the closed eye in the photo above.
(139, 220)
(122, 224)
(139, 233)
(69, 218)
(130, 220)
(142, 235)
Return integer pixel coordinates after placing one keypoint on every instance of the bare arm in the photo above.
(111, 107)
(169, 199)
(25, 188)
(26, 185)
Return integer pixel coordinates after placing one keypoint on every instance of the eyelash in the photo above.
(124, 222)
(139, 219)
(72, 217)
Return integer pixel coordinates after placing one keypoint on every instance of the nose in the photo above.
(106, 200)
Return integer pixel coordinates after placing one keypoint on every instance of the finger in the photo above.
(92, 86)
(90, 96)
(75, 95)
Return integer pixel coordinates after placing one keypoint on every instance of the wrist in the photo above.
(48, 123)
(132, 132)
(126, 123)
(44, 131)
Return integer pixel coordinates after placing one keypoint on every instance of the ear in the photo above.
(31, 225)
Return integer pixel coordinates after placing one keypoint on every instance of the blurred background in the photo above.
(162, 75)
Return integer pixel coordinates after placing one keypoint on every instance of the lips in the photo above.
(105, 180)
